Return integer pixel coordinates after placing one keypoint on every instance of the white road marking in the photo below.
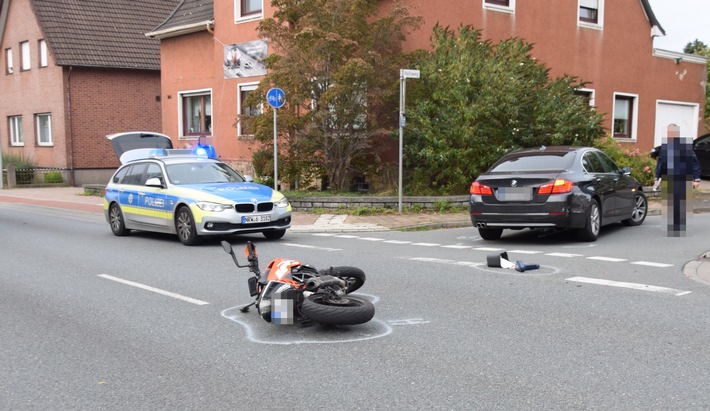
(566, 255)
(610, 259)
(460, 246)
(633, 286)
(153, 289)
(650, 264)
(409, 321)
(312, 247)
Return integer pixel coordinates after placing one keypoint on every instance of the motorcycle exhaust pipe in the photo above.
(319, 282)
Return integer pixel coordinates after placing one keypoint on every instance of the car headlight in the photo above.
(282, 203)
(206, 206)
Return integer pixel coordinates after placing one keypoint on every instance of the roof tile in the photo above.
(103, 33)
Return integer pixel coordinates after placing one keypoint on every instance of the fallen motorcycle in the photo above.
(289, 291)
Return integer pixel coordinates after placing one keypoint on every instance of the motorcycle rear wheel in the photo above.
(347, 310)
(354, 276)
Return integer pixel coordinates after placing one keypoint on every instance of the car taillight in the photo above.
(558, 187)
(481, 189)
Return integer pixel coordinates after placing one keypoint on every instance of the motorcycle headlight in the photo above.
(282, 203)
(215, 207)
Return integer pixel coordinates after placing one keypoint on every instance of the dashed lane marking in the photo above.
(565, 255)
(610, 259)
(652, 264)
(153, 289)
(312, 247)
(460, 246)
(633, 286)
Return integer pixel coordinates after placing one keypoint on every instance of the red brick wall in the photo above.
(102, 102)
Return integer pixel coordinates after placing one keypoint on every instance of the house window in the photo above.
(197, 114)
(42, 53)
(591, 12)
(501, 5)
(9, 68)
(248, 9)
(246, 110)
(16, 138)
(586, 94)
(25, 55)
(624, 116)
(44, 129)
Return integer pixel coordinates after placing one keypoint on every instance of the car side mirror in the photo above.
(154, 182)
(249, 179)
(626, 171)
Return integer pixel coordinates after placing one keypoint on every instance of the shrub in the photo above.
(642, 166)
(53, 177)
(24, 167)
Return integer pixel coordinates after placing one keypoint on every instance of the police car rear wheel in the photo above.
(118, 227)
(185, 227)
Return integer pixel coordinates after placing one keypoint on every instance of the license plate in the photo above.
(514, 194)
(256, 219)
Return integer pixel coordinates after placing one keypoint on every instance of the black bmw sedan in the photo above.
(553, 188)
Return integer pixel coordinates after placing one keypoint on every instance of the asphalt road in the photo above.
(93, 321)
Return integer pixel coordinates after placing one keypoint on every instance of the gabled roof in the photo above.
(656, 29)
(189, 17)
(102, 33)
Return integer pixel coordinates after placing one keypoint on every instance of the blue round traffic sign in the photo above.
(276, 97)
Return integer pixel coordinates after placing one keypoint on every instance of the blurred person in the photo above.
(676, 167)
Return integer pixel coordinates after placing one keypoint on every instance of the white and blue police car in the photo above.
(187, 192)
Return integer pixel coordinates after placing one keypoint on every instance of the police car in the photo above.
(186, 192)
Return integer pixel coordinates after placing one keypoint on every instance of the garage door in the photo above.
(682, 114)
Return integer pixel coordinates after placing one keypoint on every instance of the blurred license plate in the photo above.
(256, 219)
(514, 194)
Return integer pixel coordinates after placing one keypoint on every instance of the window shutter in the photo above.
(590, 4)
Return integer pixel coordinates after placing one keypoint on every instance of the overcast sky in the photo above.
(683, 21)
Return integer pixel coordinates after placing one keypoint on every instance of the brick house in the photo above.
(74, 72)
(209, 50)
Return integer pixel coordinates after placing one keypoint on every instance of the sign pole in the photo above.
(402, 91)
(276, 154)
(276, 99)
(403, 75)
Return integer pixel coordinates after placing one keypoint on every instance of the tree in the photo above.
(337, 62)
(476, 100)
(701, 49)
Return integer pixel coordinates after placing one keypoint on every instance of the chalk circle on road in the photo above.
(543, 270)
(261, 332)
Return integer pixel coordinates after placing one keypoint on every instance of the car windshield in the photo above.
(202, 173)
(535, 162)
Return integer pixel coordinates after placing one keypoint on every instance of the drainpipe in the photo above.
(70, 135)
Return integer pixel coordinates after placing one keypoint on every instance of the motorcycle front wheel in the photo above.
(346, 310)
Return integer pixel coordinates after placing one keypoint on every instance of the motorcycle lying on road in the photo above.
(290, 291)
